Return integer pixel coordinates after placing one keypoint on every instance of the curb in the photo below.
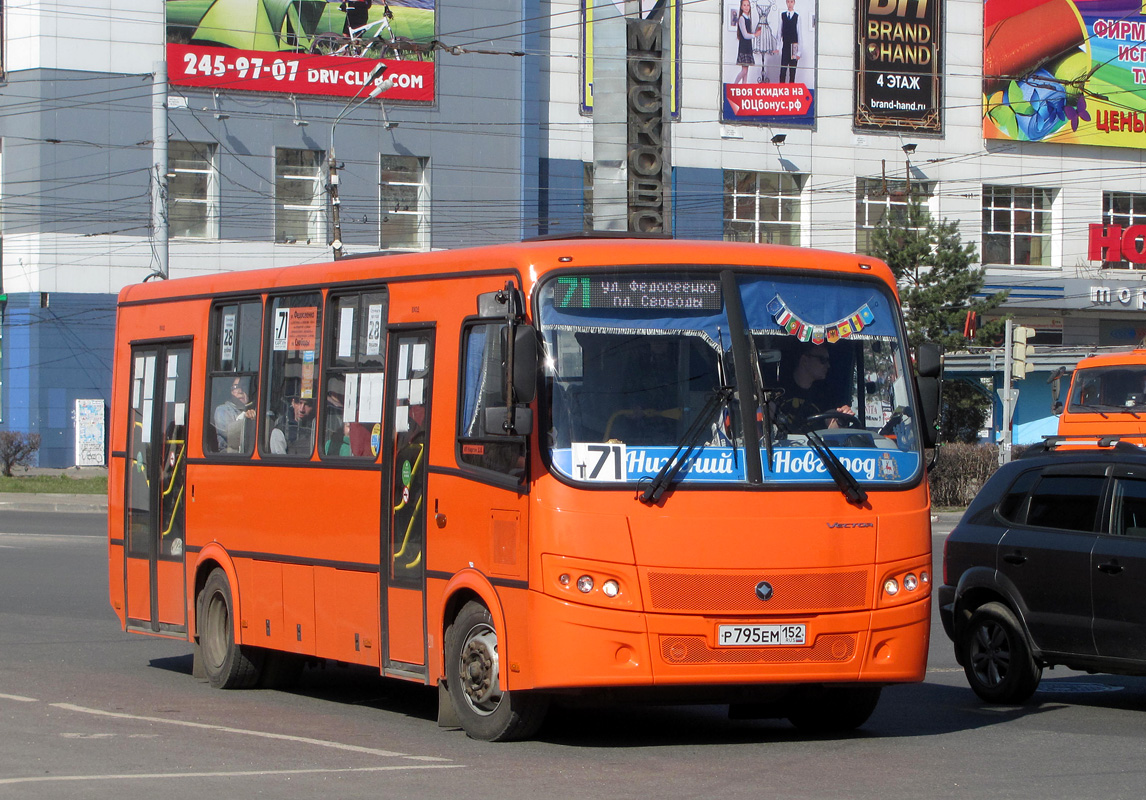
(75, 503)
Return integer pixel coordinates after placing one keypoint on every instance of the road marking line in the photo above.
(353, 748)
(18, 698)
(245, 774)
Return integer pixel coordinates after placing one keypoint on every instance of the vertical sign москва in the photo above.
(898, 65)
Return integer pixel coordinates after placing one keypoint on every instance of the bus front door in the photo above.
(407, 439)
(157, 465)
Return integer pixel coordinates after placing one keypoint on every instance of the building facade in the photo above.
(803, 126)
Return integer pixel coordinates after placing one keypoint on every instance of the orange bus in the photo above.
(531, 471)
(1107, 396)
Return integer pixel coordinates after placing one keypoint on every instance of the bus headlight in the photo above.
(578, 580)
(905, 583)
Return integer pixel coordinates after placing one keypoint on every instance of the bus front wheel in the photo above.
(473, 677)
(228, 665)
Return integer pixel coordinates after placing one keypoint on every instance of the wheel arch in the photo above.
(212, 557)
(979, 586)
(463, 587)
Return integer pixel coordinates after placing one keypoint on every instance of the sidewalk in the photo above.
(42, 501)
(31, 501)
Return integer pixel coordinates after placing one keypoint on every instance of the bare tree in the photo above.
(16, 450)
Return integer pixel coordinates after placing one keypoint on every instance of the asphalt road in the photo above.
(89, 711)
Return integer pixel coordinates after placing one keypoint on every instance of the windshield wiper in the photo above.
(844, 479)
(700, 426)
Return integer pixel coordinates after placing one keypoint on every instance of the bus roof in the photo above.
(528, 257)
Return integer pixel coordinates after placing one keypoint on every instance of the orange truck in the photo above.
(1107, 396)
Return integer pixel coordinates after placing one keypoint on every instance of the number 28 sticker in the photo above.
(598, 462)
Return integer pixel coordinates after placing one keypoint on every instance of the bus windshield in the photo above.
(639, 364)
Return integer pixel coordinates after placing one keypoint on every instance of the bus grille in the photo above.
(834, 647)
(724, 593)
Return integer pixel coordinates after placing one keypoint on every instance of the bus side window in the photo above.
(482, 387)
(353, 396)
(233, 379)
(293, 333)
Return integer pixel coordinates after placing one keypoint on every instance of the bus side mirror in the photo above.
(929, 362)
(524, 363)
(507, 303)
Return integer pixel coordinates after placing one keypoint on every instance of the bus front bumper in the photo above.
(581, 647)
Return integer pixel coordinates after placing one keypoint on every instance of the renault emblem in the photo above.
(764, 590)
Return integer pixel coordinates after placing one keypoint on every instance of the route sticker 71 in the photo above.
(598, 462)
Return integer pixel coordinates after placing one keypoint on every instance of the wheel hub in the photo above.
(479, 671)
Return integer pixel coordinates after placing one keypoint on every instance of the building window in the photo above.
(879, 200)
(762, 207)
(404, 199)
(300, 209)
(193, 191)
(1016, 225)
(1123, 209)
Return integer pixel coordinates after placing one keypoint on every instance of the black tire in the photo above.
(473, 679)
(835, 709)
(228, 665)
(996, 656)
(323, 44)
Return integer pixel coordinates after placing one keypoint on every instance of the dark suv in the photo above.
(1048, 566)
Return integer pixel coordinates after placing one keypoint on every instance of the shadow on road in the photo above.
(929, 709)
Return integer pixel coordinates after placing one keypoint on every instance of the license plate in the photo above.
(760, 635)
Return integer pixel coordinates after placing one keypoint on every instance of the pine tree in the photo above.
(937, 286)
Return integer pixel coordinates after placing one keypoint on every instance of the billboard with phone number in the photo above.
(307, 47)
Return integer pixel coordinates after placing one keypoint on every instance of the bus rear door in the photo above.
(155, 484)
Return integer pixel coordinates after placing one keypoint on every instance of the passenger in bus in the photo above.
(293, 433)
(234, 419)
(807, 392)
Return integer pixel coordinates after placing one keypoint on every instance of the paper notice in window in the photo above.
(370, 398)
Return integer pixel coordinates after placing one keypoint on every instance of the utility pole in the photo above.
(1008, 395)
(335, 202)
(159, 226)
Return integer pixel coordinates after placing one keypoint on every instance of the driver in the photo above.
(806, 392)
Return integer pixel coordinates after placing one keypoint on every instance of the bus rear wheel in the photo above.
(473, 677)
(228, 665)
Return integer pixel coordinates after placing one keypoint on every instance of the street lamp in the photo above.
(335, 203)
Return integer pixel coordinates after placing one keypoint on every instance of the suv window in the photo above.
(1066, 502)
(1129, 508)
(1012, 507)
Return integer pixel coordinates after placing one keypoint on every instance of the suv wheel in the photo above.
(996, 656)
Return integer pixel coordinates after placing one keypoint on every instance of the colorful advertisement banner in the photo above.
(897, 62)
(309, 47)
(648, 7)
(1065, 71)
(769, 62)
